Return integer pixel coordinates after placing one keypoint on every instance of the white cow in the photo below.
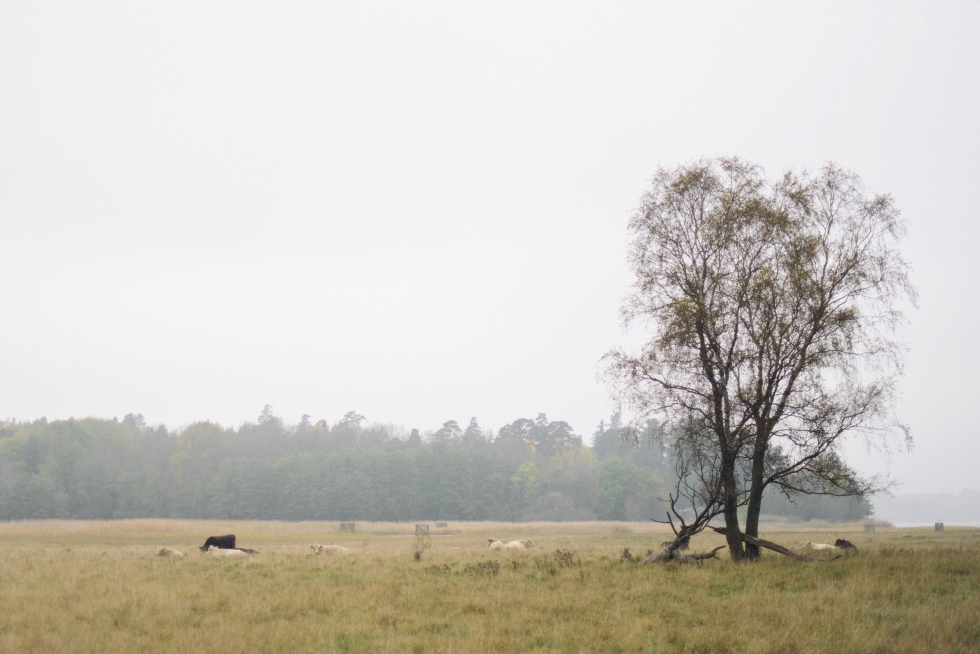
(166, 551)
(329, 550)
(516, 545)
(818, 546)
(512, 546)
(217, 551)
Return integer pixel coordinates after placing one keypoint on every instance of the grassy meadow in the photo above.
(68, 586)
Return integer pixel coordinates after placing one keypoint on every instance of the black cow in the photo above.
(221, 542)
(845, 544)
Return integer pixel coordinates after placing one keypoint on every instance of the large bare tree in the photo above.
(772, 307)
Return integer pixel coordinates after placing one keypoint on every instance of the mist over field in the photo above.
(926, 508)
(421, 211)
(529, 470)
(438, 327)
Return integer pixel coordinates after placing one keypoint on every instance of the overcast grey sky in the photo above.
(418, 210)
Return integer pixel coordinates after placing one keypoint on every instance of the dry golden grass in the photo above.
(97, 586)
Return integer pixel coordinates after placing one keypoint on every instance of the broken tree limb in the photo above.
(673, 555)
(657, 558)
(758, 542)
(707, 555)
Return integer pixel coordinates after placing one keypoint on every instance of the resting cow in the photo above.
(226, 542)
(514, 545)
(329, 550)
(216, 551)
(818, 546)
(519, 544)
(166, 551)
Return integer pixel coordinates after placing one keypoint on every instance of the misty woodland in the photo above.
(528, 470)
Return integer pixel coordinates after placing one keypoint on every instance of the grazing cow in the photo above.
(226, 542)
(218, 551)
(818, 546)
(845, 544)
(166, 551)
(329, 550)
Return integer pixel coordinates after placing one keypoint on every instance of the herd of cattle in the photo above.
(224, 546)
(221, 546)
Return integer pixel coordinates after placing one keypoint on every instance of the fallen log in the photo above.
(706, 555)
(656, 558)
(673, 555)
(758, 542)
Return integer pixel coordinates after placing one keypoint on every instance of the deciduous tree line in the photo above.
(528, 470)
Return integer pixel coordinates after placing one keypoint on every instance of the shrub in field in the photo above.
(490, 568)
(566, 559)
(422, 543)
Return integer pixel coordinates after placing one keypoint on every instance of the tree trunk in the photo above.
(754, 508)
(752, 523)
(733, 532)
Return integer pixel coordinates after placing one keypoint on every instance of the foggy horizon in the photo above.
(419, 213)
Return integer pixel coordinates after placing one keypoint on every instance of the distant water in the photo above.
(924, 509)
(931, 524)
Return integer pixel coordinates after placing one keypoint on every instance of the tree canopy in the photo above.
(772, 308)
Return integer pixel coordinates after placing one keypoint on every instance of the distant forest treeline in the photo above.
(528, 470)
